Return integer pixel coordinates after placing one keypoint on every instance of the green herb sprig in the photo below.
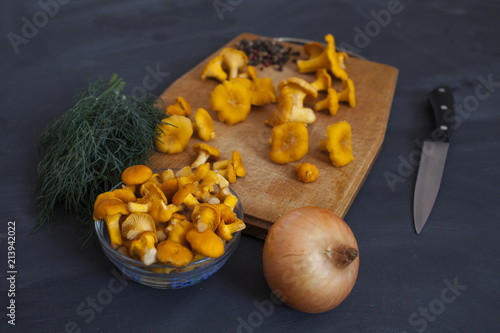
(88, 147)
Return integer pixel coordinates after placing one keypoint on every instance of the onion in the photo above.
(310, 259)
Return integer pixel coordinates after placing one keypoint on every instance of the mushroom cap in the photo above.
(182, 193)
(323, 80)
(174, 253)
(160, 212)
(124, 195)
(227, 215)
(204, 125)
(306, 172)
(261, 91)
(212, 151)
(174, 139)
(103, 196)
(178, 228)
(136, 223)
(151, 191)
(244, 81)
(206, 243)
(231, 101)
(213, 69)
(136, 174)
(338, 143)
(300, 84)
(109, 207)
(181, 107)
(205, 216)
(313, 49)
(289, 142)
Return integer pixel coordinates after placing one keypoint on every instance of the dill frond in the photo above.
(87, 148)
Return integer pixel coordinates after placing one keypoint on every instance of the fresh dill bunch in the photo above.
(88, 147)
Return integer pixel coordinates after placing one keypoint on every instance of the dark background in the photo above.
(401, 274)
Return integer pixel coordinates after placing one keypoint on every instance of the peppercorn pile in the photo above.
(266, 52)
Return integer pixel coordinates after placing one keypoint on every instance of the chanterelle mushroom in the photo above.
(143, 248)
(306, 172)
(137, 223)
(327, 59)
(205, 216)
(313, 49)
(204, 125)
(174, 139)
(289, 142)
(177, 229)
(136, 174)
(338, 143)
(331, 102)
(323, 80)
(292, 93)
(180, 108)
(236, 161)
(231, 101)
(170, 252)
(234, 61)
(185, 196)
(348, 93)
(226, 231)
(206, 243)
(214, 69)
(204, 152)
(110, 210)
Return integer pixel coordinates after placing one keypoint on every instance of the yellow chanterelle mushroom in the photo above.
(174, 135)
(289, 142)
(338, 143)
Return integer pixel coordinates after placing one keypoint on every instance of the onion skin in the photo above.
(311, 259)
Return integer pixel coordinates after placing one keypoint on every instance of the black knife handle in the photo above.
(443, 106)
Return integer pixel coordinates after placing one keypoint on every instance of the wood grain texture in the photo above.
(269, 190)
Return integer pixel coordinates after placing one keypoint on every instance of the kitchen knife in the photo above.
(433, 156)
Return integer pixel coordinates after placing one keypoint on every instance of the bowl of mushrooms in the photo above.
(171, 228)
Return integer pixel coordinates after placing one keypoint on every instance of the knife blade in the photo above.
(433, 158)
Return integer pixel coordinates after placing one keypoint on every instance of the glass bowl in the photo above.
(164, 276)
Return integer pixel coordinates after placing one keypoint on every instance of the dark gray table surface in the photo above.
(447, 279)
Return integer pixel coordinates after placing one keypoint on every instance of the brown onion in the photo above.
(311, 259)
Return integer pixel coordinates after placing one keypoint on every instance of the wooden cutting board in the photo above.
(269, 190)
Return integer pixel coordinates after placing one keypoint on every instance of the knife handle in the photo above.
(443, 106)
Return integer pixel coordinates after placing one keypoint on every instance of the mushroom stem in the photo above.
(201, 159)
(113, 224)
